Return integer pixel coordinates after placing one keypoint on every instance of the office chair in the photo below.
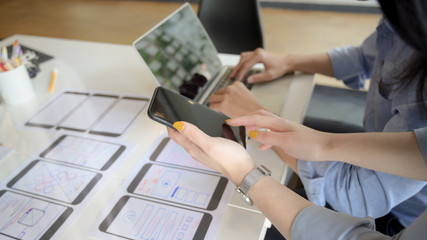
(233, 25)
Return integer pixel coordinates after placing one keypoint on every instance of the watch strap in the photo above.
(250, 180)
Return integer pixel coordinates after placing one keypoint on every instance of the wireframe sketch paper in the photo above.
(167, 151)
(179, 185)
(44, 196)
(4, 151)
(105, 114)
(165, 200)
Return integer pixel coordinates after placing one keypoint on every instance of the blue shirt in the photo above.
(326, 224)
(358, 191)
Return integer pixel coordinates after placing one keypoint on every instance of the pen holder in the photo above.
(16, 86)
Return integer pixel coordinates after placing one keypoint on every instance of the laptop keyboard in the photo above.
(226, 80)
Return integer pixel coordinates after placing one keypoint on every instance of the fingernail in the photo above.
(226, 120)
(178, 126)
(253, 134)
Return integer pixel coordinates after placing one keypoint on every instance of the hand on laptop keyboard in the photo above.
(275, 65)
(234, 100)
(227, 80)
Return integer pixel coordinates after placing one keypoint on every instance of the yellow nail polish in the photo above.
(253, 134)
(226, 120)
(178, 126)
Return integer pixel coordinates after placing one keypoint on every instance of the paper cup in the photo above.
(16, 86)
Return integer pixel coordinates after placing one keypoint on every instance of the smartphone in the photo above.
(167, 107)
(178, 185)
(135, 218)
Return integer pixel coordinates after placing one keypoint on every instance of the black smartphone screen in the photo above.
(167, 107)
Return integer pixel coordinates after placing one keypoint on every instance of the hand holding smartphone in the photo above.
(167, 107)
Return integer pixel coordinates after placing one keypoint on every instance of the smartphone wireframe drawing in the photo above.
(83, 152)
(55, 181)
(25, 217)
(179, 185)
(167, 107)
(135, 218)
(170, 152)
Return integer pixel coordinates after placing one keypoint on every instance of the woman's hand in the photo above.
(234, 100)
(225, 156)
(275, 66)
(295, 139)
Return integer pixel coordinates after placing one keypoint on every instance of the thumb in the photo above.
(193, 133)
(259, 77)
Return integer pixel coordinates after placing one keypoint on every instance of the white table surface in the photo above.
(118, 68)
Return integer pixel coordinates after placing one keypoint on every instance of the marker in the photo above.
(4, 52)
(52, 79)
(15, 49)
(6, 64)
(2, 67)
(16, 62)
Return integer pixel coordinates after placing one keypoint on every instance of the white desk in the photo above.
(118, 68)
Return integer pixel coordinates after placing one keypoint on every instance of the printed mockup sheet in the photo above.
(105, 114)
(42, 198)
(168, 196)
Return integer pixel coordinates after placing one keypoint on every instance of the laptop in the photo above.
(182, 57)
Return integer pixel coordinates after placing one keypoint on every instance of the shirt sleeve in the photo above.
(353, 64)
(354, 190)
(316, 222)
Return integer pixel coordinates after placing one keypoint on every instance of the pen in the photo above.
(52, 79)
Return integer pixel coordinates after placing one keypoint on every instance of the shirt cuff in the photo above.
(344, 65)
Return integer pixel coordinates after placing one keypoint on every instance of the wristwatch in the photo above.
(250, 180)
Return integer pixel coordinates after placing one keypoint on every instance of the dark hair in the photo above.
(409, 20)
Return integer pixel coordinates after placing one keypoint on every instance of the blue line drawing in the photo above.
(174, 191)
(31, 217)
(150, 229)
(135, 231)
(166, 183)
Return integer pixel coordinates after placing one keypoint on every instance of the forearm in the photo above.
(289, 160)
(278, 203)
(316, 63)
(395, 153)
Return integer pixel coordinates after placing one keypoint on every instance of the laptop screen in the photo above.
(179, 52)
